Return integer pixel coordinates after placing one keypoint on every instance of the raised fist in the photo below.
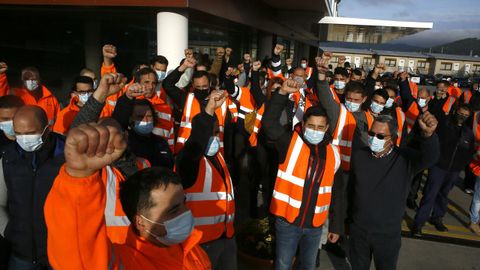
(3, 67)
(215, 101)
(278, 49)
(188, 53)
(189, 62)
(289, 86)
(110, 84)
(428, 123)
(109, 51)
(90, 147)
(135, 90)
(256, 65)
(220, 51)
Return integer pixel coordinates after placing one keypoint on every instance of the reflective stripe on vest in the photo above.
(400, 123)
(111, 218)
(288, 192)
(253, 139)
(211, 200)
(447, 106)
(467, 95)
(343, 135)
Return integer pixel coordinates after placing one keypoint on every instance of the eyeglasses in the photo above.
(379, 136)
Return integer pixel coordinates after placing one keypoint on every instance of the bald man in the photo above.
(29, 168)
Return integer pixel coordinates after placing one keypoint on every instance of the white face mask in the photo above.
(143, 127)
(352, 106)
(31, 143)
(339, 85)
(83, 98)
(31, 85)
(378, 87)
(422, 102)
(303, 65)
(313, 136)
(7, 128)
(161, 75)
(213, 146)
(376, 108)
(389, 103)
(375, 144)
(178, 229)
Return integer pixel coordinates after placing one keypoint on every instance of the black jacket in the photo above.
(29, 177)
(457, 145)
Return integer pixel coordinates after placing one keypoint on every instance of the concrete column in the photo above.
(172, 36)
(93, 48)
(265, 46)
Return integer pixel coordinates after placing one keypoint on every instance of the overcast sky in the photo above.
(452, 19)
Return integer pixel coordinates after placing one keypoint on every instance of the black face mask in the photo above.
(460, 119)
(200, 94)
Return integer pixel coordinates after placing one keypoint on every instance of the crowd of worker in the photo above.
(141, 171)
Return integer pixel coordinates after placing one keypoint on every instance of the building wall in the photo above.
(365, 61)
(412, 64)
(455, 67)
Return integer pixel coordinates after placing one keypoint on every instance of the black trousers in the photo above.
(382, 247)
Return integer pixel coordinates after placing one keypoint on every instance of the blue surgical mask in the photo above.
(143, 127)
(313, 136)
(161, 75)
(375, 144)
(339, 85)
(389, 102)
(31, 84)
(376, 108)
(213, 146)
(7, 128)
(178, 229)
(83, 98)
(352, 106)
(422, 102)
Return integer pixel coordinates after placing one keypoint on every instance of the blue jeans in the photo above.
(289, 237)
(16, 263)
(475, 207)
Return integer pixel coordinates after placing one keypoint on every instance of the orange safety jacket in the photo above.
(288, 190)
(475, 164)
(411, 116)
(278, 74)
(253, 139)
(467, 96)
(400, 115)
(454, 91)
(448, 105)
(77, 233)
(413, 89)
(344, 132)
(211, 200)
(164, 123)
(4, 87)
(66, 116)
(48, 102)
(308, 72)
(191, 109)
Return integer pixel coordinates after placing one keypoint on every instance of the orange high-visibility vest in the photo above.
(447, 106)
(253, 139)
(400, 123)
(211, 200)
(454, 91)
(475, 164)
(467, 96)
(411, 116)
(191, 109)
(115, 218)
(413, 89)
(247, 102)
(334, 94)
(308, 72)
(288, 191)
(398, 101)
(164, 121)
(278, 74)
